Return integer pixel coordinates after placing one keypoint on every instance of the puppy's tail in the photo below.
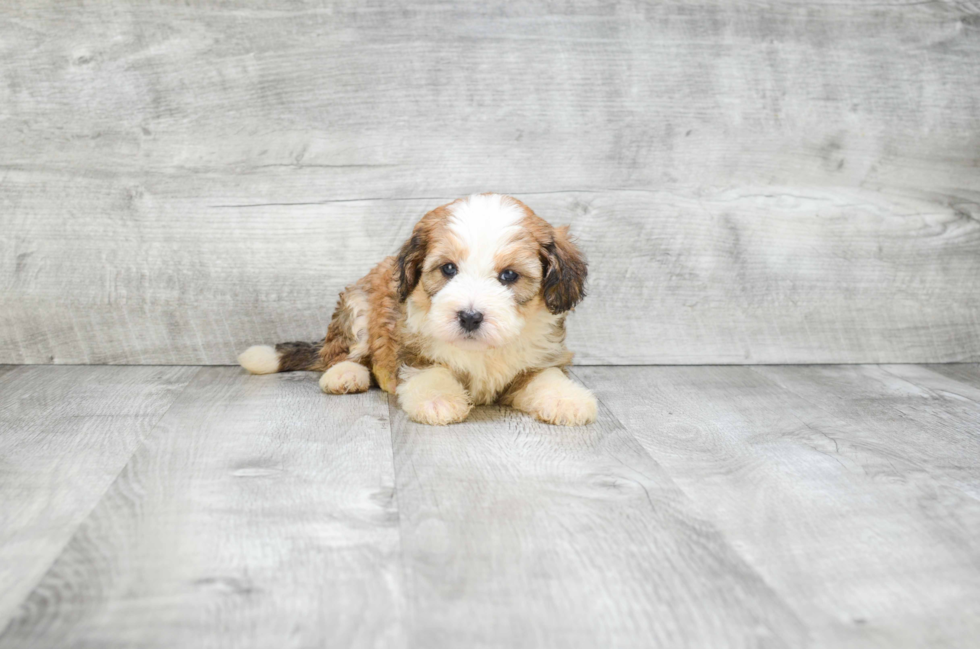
(284, 357)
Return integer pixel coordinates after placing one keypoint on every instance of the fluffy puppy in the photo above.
(471, 311)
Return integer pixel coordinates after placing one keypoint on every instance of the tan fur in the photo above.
(381, 286)
(383, 324)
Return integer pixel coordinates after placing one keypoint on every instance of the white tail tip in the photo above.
(260, 359)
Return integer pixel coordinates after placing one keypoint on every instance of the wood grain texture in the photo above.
(520, 534)
(754, 182)
(815, 506)
(259, 512)
(904, 408)
(968, 373)
(64, 437)
(858, 517)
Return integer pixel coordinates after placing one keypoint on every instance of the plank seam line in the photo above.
(328, 201)
(696, 509)
(409, 591)
(96, 501)
(642, 449)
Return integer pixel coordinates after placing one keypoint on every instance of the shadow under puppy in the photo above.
(471, 311)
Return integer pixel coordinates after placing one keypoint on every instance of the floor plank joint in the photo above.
(776, 506)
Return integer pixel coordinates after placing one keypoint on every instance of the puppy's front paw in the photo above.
(566, 410)
(345, 377)
(555, 399)
(433, 396)
(440, 410)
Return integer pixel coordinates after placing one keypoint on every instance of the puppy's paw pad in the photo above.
(441, 410)
(345, 377)
(576, 410)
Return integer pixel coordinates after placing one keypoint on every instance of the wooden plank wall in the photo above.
(754, 182)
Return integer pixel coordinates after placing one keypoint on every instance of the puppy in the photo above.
(471, 311)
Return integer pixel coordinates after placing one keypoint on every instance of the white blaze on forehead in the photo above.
(484, 223)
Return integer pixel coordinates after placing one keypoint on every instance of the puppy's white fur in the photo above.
(490, 370)
(260, 359)
(483, 224)
(345, 377)
(433, 396)
(506, 342)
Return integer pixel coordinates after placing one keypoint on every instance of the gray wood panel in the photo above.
(754, 181)
(733, 506)
(519, 534)
(850, 513)
(968, 373)
(953, 395)
(259, 512)
(903, 409)
(64, 437)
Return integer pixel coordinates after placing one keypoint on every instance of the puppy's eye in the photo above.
(508, 276)
(449, 270)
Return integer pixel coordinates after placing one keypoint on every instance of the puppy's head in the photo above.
(475, 270)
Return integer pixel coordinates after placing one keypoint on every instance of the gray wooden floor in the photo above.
(824, 506)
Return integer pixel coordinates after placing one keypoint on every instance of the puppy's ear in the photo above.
(563, 284)
(410, 260)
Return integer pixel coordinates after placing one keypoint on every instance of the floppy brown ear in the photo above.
(565, 270)
(410, 260)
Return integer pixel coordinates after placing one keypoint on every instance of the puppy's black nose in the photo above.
(469, 320)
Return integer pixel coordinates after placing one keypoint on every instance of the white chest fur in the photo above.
(486, 372)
